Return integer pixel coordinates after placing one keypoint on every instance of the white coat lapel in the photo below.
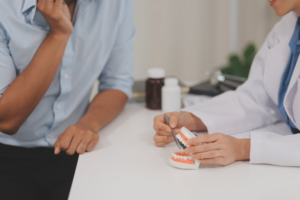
(291, 91)
(278, 55)
(276, 61)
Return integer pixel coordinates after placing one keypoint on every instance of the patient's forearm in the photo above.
(103, 109)
(26, 91)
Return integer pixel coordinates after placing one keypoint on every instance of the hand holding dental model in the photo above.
(214, 148)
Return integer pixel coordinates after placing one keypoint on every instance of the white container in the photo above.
(171, 96)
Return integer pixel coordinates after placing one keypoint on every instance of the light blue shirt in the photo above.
(101, 47)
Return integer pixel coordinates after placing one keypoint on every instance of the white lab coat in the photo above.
(254, 104)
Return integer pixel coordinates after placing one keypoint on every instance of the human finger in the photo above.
(93, 143)
(77, 138)
(82, 146)
(202, 148)
(204, 139)
(58, 4)
(161, 126)
(218, 160)
(207, 155)
(164, 133)
(41, 4)
(174, 119)
(66, 139)
(49, 4)
(57, 148)
(160, 138)
(160, 144)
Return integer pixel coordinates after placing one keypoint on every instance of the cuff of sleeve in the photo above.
(127, 91)
(256, 154)
(208, 122)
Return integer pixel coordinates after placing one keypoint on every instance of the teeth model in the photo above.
(180, 159)
(184, 136)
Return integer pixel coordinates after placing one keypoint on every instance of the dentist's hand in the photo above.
(77, 138)
(57, 15)
(177, 120)
(219, 149)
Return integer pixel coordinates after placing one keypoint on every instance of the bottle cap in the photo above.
(171, 82)
(156, 73)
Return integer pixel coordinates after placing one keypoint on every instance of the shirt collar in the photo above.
(28, 5)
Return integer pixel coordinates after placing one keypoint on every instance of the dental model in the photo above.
(179, 158)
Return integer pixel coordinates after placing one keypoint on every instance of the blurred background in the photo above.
(189, 37)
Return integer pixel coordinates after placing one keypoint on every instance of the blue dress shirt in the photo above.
(287, 75)
(101, 47)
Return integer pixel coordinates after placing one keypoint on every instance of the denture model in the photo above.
(179, 158)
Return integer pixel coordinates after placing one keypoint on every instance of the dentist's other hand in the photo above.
(218, 148)
(177, 120)
(77, 138)
(57, 15)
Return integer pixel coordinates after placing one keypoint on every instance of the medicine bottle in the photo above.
(154, 84)
(171, 96)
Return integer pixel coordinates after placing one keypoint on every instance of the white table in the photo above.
(126, 165)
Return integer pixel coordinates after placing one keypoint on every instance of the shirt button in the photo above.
(58, 106)
(66, 76)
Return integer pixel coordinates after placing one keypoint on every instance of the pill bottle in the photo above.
(171, 96)
(154, 84)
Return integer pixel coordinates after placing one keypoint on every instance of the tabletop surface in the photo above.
(126, 165)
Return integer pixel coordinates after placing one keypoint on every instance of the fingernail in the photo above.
(193, 156)
(189, 142)
(187, 150)
(56, 151)
(173, 124)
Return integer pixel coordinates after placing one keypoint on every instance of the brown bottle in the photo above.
(154, 84)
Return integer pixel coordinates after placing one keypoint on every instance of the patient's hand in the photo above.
(163, 134)
(77, 138)
(218, 148)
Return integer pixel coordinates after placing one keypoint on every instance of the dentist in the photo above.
(271, 94)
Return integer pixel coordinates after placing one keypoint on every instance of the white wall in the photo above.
(188, 37)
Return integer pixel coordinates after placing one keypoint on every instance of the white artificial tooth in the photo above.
(185, 144)
(185, 158)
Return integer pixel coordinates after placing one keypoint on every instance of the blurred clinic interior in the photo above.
(189, 37)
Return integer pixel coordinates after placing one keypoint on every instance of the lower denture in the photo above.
(187, 161)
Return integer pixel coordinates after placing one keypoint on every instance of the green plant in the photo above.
(240, 66)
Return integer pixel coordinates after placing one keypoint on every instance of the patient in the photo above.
(271, 94)
(51, 53)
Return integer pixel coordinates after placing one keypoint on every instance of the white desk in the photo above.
(126, 165)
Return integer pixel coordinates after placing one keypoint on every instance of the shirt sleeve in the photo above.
(7, 69)
(118, 72)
